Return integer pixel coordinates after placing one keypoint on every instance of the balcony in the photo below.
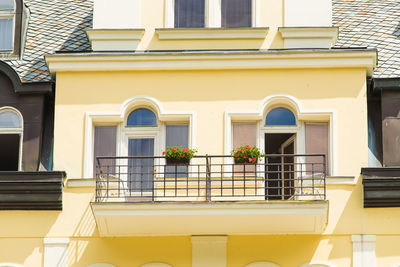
(144, 196)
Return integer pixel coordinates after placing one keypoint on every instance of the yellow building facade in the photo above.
(220, 85)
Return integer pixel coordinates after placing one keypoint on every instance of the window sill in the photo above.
(211, 33)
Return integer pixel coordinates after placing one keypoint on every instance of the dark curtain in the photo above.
(236, 13)
(189, 13)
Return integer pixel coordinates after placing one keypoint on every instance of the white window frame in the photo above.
(15, 130)
(302, 117)
(212, 16)
(119, 119)
(7, 14)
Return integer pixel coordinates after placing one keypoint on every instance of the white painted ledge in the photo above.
(309, 37)
(340, 180)
(115, 39)
(76, 183)
(211, 33)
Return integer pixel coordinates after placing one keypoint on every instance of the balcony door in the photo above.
(279, 168)
(141, 171)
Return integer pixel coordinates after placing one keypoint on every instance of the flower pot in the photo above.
(242, 161)
(173, 161)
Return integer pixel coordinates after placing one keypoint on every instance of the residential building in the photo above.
(212, 75)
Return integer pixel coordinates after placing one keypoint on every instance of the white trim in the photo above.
(341, 180)
(119, 119)
(211, 33)
(312, 263)
(78, 183)
(55, 252)
(198, 60)
(7, 14)
(364, 250)
(114, 39)
(169, 20)
(301, 115)
(16, 130)
(6, 264)
(309, 37)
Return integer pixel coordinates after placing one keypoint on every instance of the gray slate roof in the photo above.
(373, 24)
(58, 25)
(54, 25)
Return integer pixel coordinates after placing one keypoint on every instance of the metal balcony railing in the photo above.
(211, 178)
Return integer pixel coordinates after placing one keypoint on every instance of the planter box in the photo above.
(177, 161)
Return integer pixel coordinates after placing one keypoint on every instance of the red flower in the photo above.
(182, 156)
(189, 152)
(163, 153)
(236, 155)
(245, 162)
(244, 156)
(183, 150)
(239, 150)
(254, 159)
(175, 150)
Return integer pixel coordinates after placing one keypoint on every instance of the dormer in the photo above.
(129, 25)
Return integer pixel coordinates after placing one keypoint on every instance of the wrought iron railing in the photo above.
(211, 178)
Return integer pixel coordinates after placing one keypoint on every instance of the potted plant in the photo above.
(178, 156)
(246, 154)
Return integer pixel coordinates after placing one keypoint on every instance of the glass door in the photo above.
(141, 170)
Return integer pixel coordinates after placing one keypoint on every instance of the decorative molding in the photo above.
(301, 114)
(209, 251)
(115, 39)
(364, 250)
(101, 118)
(211, 60)
(77, 183)
(309, 37)
(341, 180)
(55, 252)
(211, 33)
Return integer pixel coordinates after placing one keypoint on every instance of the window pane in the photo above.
(141, 171)
(6, 34)
(177, 135)
(6, 4)
(9, 119)
(142, 117)
(236, 13)
(105, 143)
(280, 116)
(189, 13)
(244, 134)
(317, 142)
(9, 152)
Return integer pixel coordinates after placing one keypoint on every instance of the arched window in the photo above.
(280, 117)
(142, 117)
(7, 13)
(9, 119)
(11, 129)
